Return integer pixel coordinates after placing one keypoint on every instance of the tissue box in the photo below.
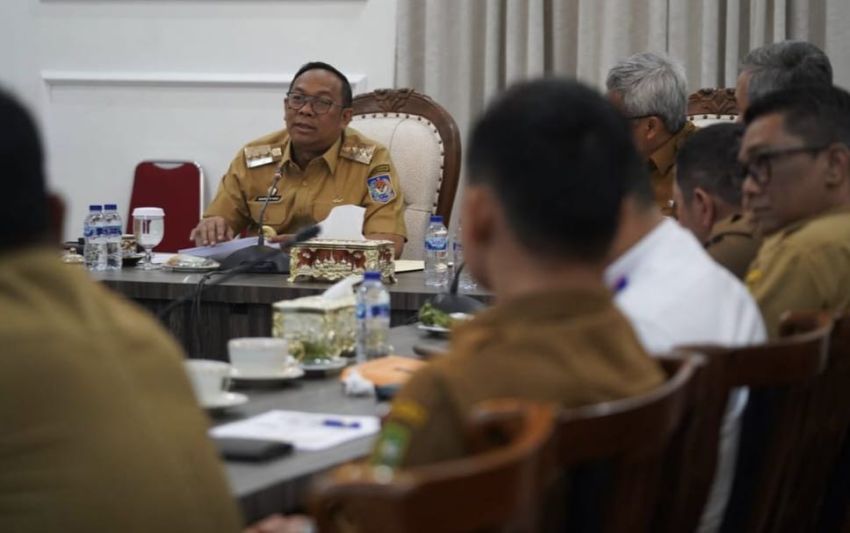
(332, 260)
(315, 327)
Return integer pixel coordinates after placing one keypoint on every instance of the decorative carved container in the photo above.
(333, 260)
(316, 328)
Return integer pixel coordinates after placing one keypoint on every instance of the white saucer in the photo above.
(329, 364)
(292, 372)
(228, 399)
(434, 330)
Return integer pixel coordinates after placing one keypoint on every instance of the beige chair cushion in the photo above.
(417, 153)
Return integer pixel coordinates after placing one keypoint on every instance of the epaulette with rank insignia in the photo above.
(256, 156)
(360, 152)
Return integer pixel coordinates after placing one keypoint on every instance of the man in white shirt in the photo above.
(675, 294)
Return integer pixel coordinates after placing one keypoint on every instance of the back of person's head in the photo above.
(558, 157)
(24, 217)
(709, 160)
(784, 65)
(820, 116)
(346, 95)
(651, 84)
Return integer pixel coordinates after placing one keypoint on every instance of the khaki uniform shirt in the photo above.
(734, 243)
(803, 266)
(571, 347)
(99, 428)
(662, 167)
(355, 170)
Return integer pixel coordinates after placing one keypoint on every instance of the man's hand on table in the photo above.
(282, 524)
(211, 230)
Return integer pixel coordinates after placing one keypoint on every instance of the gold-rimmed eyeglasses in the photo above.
(320, 104)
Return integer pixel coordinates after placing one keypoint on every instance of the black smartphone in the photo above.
(238, 449)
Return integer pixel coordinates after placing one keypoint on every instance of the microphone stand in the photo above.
(261, 257)
(264, 255)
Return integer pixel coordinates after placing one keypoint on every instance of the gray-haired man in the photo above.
(651, 91)
(781, 65)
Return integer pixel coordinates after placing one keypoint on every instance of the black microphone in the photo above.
(303, 235)
(259, 256)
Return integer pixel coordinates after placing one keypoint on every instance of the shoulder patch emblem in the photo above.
(362, 153)
(392, 445)
(381, 188)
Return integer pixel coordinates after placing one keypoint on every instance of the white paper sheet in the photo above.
(220, 250)
(344, 222)
(306, 431)
(408, 265)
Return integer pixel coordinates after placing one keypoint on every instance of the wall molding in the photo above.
(80, 78)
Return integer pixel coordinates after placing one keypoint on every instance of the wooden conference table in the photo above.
(241, 307)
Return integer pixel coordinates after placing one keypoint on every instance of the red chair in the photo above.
(178, 188)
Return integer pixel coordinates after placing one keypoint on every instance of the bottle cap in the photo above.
(148, 212)
(95, 208)
(371, 276)
(111, 207)
(437, 218)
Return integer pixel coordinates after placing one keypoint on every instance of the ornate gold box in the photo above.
(333, 260)
(315, 327)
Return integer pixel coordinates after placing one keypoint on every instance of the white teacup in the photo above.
(210, 379)
(259, 356)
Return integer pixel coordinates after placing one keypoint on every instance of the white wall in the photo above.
(114, 82)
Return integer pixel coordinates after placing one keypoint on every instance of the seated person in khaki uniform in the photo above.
(554, 334)
(652, 92)
(99, 428)
(707, 196)
(796, 151)
(306, 170)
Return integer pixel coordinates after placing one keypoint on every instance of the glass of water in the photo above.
(149, 228)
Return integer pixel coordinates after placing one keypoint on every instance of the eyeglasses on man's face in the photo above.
(760, 166)
(320, 104)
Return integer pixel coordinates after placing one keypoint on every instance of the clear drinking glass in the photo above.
(149, 228)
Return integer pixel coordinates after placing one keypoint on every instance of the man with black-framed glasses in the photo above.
(322, 164)
(796, 159)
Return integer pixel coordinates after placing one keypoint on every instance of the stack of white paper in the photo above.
(306, 431)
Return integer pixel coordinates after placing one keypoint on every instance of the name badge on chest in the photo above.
(271, 199)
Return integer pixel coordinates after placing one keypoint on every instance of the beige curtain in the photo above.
(462, 52)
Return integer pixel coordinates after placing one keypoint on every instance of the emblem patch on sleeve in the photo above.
(381, 188)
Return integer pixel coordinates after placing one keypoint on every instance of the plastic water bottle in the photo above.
(112, 228)
(436, 253)
(373, 318)
(94, 249)
(466, 282)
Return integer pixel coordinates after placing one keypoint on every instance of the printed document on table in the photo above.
(220, 250)
(306, 431)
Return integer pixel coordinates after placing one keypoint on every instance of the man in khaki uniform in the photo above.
(796, 150)
(100, 428)
(306, 170)
(707, 195)
(651, 91)
(554, 334)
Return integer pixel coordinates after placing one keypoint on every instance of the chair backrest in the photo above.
(818, 475)
(624, 441)
(492, 490)
(774, 373)
(712, 106)
(425, 147)
(178, 188)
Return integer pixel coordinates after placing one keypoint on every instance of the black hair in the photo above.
(709, 160)
(818, 115)
(25, 216)
(559, 157)
(319, 65)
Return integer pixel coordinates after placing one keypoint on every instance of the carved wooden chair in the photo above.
(604, 465)
(775, 373)
(712, 106)
(494, 490)
(425, 146)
